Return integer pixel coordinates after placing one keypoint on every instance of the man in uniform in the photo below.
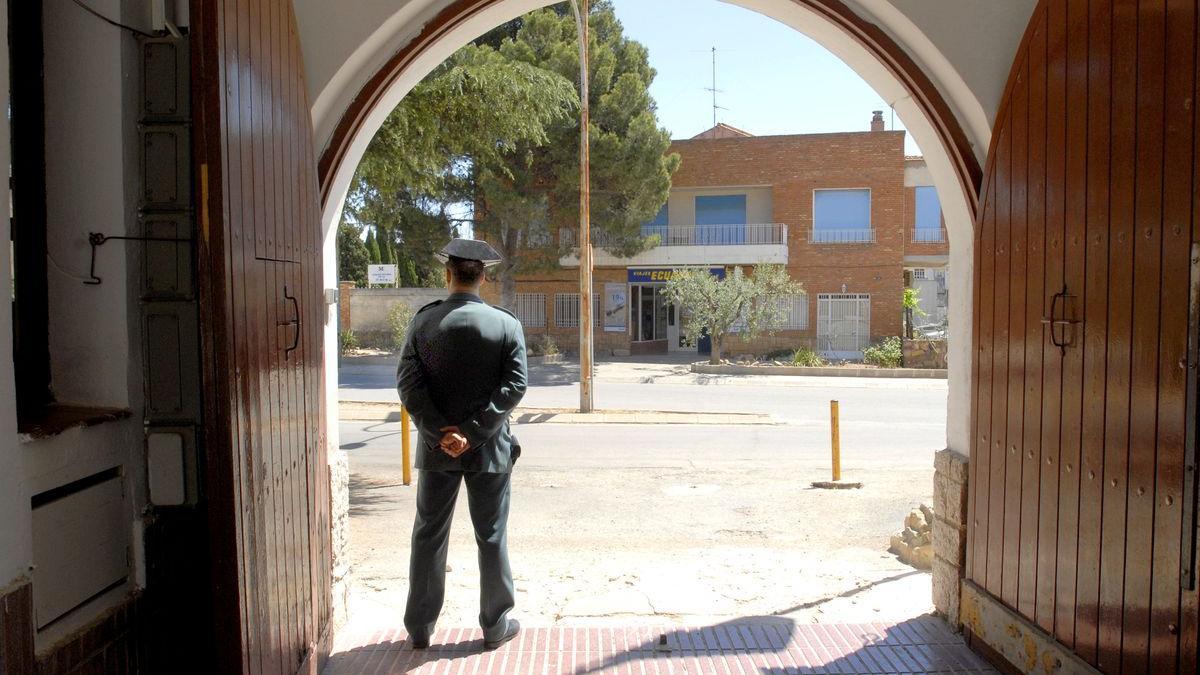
(461, 373)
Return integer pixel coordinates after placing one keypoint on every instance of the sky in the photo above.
(773, 79)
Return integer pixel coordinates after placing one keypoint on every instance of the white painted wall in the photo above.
(15, 541)
(95, 356)
(86, 176)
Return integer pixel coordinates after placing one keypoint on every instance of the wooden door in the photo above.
(1081, 497)
(262, 319)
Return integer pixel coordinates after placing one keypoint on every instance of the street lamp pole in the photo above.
(586, 352)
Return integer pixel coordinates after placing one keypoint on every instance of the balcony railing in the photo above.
(928, 235)
(718, 235)
(697, 235)
(855, 236)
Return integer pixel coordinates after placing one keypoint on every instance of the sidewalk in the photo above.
(751, 645)
(382, 411)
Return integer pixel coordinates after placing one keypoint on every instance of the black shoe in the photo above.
(418, 642)
(510, 631)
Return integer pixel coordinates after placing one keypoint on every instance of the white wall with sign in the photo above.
(615, 303)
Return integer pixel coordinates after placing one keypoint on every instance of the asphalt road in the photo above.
(675, 523)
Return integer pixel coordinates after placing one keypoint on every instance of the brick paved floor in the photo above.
(768, 646)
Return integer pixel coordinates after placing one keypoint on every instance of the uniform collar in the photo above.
(465, 297)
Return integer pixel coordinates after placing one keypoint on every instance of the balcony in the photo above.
(928, 235)
(861, 235)
(752, 244)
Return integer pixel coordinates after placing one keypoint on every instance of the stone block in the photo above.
(951, 464)
(950, 500)
(947, 590)
(921, 557)
(949, 541)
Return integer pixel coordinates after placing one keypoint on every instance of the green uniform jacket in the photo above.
(463, 365)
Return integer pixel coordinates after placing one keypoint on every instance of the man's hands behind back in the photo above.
(453, 442)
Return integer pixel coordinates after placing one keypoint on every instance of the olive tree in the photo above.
(717, 306)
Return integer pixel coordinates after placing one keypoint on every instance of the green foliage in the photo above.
(352, 255)
(399, 317)
(372, 245)
(912, 301)
(807, 357)
(347, 341)
(886, 353)
(718, 305)
(496, 126)
(542, 345)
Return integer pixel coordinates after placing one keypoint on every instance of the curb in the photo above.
(373, 411)
(922, 373)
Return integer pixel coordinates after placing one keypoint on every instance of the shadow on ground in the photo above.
(767, 644)
(370, 494)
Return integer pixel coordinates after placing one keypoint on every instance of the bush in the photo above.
(886, 353)
(398, 319)
(542, 345)
(347, 341)
(807, 357)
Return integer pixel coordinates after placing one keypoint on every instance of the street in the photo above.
(674, 523)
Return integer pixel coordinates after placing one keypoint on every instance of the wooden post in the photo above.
(405, 447)
(835, 439)
(586, 351)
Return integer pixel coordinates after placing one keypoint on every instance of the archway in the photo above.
(951, 128)
(951, 151)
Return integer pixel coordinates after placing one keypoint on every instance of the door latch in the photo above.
(1062, 328)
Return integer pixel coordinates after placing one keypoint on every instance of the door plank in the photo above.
(1172, 341)
(981, 458)
(1014, 432)
(1000, 337)
(1144, 383)
(1093, 347)
(1117, 370)
(1035, 309)
(1056, 91)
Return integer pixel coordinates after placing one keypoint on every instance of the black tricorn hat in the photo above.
(470, 249)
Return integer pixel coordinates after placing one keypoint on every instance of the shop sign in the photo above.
(662, 276)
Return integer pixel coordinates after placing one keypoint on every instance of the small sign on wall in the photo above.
(381, 274)
(614, 308)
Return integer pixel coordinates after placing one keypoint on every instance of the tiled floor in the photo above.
(755, 645)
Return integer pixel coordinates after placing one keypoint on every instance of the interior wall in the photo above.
(15, 543)
(85, 158)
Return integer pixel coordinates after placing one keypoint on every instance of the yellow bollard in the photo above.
(405, 446)
(835, 438)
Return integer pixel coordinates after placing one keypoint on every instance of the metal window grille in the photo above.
(794, 309)
(531, 309)
(566, 310)
(918, 273)
(843, 323)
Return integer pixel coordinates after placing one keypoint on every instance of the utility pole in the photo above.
(585, 229)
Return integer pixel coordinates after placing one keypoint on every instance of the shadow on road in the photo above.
(369, 494)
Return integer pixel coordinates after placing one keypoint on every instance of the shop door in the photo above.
(263, 312)
(675, 333)
(1082, 487)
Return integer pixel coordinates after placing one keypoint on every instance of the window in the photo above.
(566, 310)
(658, 225)
(928, 222)
(794, 309)
(531, 309)
(842, 216)
(720, 219)
(918, 273)
(843, 324)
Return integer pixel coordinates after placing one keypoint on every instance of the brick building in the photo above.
(850, 216)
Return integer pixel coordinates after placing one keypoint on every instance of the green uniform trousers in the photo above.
(488, 498)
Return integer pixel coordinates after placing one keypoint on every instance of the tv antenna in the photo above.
(714, 89)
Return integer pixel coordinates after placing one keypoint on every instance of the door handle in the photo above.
(1055, 321)
(287, 353)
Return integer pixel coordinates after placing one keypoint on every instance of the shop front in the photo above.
(657, 325)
